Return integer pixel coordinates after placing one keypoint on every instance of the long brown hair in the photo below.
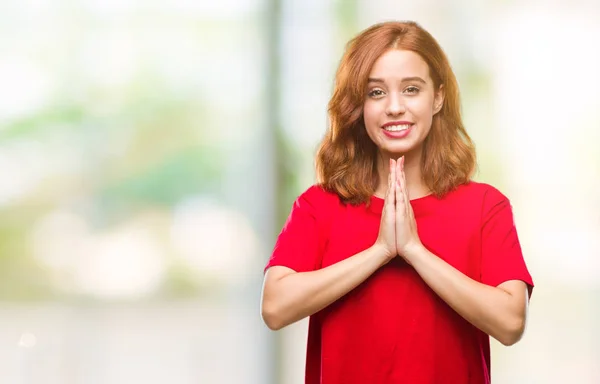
(346, 161)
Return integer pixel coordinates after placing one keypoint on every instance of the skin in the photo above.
(289, 296)
(401, 89)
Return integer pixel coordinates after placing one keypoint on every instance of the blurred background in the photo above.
(150, 152)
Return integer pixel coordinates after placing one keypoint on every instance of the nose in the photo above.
(395, 105)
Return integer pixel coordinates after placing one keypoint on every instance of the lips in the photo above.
(397, 129)
(395, 126)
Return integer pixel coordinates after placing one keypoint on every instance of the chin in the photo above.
(398, 149)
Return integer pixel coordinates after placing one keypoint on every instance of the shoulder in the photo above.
(316, 197)
(488, 201)
(483, 192)
(480, 199)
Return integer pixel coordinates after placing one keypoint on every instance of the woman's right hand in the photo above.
(386, 240)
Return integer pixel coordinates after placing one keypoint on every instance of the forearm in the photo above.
(298, 295)
(493, 310)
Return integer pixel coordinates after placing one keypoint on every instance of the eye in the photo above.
(412, 90)
(376, 93)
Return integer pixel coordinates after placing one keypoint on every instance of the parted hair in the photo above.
(346, 160)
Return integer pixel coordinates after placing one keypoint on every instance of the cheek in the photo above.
(423, 109)
(369, 114)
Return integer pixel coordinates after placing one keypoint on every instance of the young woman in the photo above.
(404, 265)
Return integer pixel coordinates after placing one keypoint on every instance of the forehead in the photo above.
(397, 63)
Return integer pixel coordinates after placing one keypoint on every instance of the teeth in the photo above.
(396, 128)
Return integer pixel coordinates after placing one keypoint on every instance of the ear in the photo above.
(438, 100)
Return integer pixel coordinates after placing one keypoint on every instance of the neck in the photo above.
(412, 170)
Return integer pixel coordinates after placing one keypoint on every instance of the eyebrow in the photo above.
(404, 80)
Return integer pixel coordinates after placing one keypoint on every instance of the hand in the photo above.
(386, 240)
(407, 237)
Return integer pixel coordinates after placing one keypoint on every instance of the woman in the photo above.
(404, 265)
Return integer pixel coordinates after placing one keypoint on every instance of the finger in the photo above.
(403, 178)
(386, 201)
(389, 179)
(400, 175)
(399, 197)
(402, 183)
(393, 175)
(390, 197)
(399, 170)
(406, 197)
(399, 190)
(409, 209)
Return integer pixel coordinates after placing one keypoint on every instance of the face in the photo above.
(400, 102)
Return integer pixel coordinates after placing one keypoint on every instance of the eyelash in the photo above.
(413, 91)
(372, 93)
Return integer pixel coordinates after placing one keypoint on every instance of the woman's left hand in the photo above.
(407, 237)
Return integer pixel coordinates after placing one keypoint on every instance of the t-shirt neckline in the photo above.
(417, 203)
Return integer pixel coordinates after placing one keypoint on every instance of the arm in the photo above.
(289, 296)
(498, 311)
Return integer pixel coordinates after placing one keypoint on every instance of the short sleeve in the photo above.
(502, 258)
(298, 244)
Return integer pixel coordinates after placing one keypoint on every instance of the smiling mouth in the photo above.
(397, 128)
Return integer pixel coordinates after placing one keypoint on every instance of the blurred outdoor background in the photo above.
(151, 150)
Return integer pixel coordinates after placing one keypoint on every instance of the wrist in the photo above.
(412, 252)
(382, 252)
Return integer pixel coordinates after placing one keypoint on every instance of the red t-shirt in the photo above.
(393, 328)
